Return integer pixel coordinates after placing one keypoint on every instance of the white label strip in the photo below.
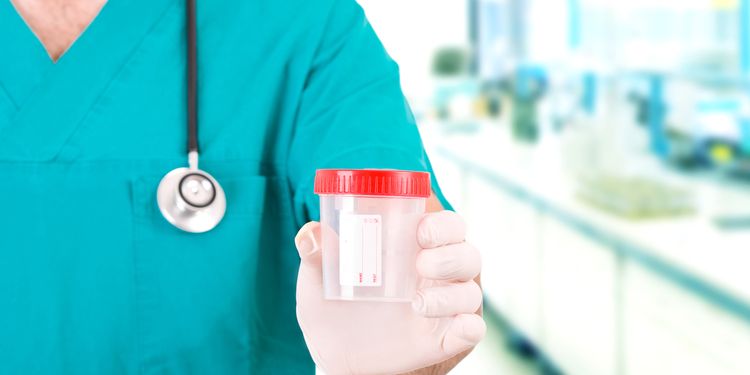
(360, 250)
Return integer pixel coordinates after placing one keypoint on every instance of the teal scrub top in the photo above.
(92, 279)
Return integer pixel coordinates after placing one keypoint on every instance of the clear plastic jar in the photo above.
(369, 224)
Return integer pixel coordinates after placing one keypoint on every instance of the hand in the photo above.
(347, 337)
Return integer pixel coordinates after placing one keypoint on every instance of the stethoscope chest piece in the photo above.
(191, 200)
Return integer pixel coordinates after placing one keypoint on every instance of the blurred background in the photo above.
(600, 152)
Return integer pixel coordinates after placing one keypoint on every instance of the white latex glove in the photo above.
(346, 337)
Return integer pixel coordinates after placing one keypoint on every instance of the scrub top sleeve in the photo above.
(352, 113)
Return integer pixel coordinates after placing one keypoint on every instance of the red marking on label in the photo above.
(374, 278)
(360, 277)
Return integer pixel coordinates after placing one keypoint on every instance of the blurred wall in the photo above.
(412, 30)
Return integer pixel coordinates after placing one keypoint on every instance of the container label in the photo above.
(360, 250)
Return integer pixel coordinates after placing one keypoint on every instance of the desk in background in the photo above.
(595, 293)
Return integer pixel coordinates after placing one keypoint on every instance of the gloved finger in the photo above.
(452, 262)
(440, 228)
(308, 242)
(448, 300)
(465, 332)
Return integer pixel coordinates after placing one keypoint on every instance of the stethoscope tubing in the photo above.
(178, 209)
(192, 76)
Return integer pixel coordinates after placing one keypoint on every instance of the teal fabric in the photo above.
(92, 279)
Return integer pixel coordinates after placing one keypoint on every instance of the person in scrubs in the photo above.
(93, 280)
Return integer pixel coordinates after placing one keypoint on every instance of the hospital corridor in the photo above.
(600, 152)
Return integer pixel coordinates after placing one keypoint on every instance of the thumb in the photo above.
(465, 331)
(308, 241)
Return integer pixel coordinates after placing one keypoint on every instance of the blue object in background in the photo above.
(574, 23)
(530, 85)
(657, 116)
(745, 136)
(492, 29)
(531, 81)
(588, 101)
(745, 68)
(744, 37)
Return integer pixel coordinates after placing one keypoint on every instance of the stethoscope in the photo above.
(190, 198)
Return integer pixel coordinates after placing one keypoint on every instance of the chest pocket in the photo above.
(195, 303)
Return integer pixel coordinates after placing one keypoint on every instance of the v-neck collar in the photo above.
(24, 60)
(65, 91)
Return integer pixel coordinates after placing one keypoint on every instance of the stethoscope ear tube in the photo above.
(189, 198)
